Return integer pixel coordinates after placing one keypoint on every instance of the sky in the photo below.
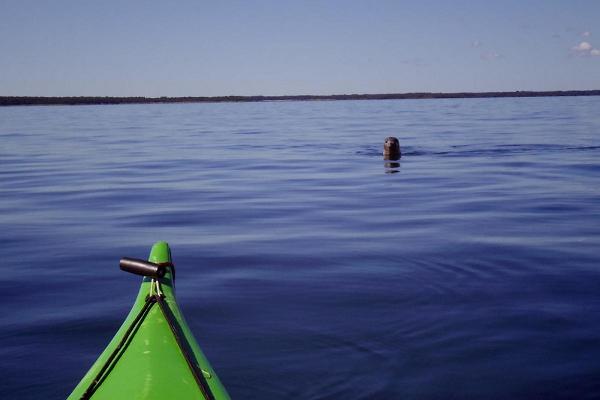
(277, 47)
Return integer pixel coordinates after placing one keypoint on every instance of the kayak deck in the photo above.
(153, 355)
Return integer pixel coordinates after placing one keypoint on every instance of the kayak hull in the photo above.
(153, 355)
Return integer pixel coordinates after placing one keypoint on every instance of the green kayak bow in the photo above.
(153, 355)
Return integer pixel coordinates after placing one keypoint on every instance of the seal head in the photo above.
(391, 149)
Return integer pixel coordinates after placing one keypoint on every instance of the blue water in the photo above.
(307, 267)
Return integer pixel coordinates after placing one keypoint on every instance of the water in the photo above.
(307, 268)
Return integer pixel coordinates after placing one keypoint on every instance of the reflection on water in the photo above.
(391, 167)
(473, 275)
(391, 154)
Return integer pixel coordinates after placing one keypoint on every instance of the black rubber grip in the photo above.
(141, 267)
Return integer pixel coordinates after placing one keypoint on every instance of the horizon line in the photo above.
(91, 100)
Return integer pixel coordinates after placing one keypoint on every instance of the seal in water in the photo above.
(391, 149)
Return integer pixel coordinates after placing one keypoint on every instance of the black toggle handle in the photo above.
(141, 267)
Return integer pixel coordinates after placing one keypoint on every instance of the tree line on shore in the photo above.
(83, 100)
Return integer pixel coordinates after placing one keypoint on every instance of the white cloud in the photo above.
(490, 55)
(583, 47)
(485, 53)
(586, 34)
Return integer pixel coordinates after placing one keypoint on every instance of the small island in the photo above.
(89, 100)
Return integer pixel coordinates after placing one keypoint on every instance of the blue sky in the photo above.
(202, 48)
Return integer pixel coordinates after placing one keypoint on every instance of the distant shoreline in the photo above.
(90, 100)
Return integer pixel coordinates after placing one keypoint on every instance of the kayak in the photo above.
(153, 354)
